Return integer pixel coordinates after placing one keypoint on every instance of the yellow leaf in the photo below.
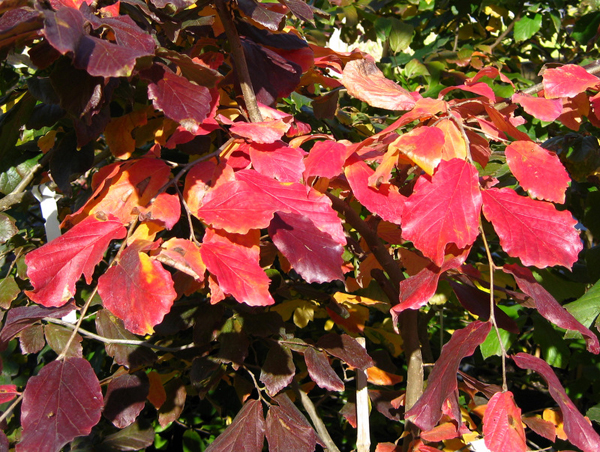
(346, 298)
(46, 142)
(554, 415)
(496, 11)
(304, 314)
(118, 133)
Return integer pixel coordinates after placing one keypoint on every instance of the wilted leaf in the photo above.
(579, 431)
(183, 255)
(234, 261)
(539, 107)
(62, 402)
(502, 426)
(345, 348)
(125, 398)
(321, 372)
(443, 209)
(246, 432)
(364, 80)
(278, 370)
(313, 253)
(442, 381)
(531, 230)
(567, 81)
(539, 171)
(55, 267)
(548, 307)
(287, 429)
(137, 289)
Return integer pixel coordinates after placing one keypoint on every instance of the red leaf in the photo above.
(184, 256)
(55, 267)
(165, 210)
(179, 99)
(297, 198)
(539, 171)
(235, 264)
(567, 81)
(545, 429)
(7, 393)
(347, 349)
(64, 28)
(482, 89)
(364, 80)
(579, 431)
(539, 107)
(126, 398)
(138, 290)
(277, 160)
(313, 253)
(101, 58)
(443, 209)
(321, 372)
(62, 402)
(384, 200)
(441, 383)
(246, 432)
(548, 307)
(502, 426)
(278, 370)
(287, 429)
(531, 230)
(325, 159)
(200, 178)
(260, 132)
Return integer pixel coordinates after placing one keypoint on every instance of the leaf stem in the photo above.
(11, 408)
(78, 325)
(493, 306)
(239, 59)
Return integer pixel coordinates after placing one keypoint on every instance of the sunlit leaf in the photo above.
(567, 81)
(321, 372)
(502, 426)
(539, 107)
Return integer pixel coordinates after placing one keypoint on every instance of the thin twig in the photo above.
(107, 340)
(237, 53)
(492, 308)
(507, 31)
(64, 351)
(314, 417)
(11, 407)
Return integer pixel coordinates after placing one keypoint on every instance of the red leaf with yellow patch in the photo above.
(502, 425)
(183, 255)
(443, 209)
(539, 171)
(137, 289)
(234, 261)
(55, 267)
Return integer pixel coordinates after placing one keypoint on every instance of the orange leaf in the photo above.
(378, 376)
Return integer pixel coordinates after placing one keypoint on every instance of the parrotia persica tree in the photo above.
(244, 253)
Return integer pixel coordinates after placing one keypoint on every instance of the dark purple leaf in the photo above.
(177, 4)
(278, 370)
(284, 75)
(314, 254)
(277, 40)
(382, 401)
(101, 58)
(300, 9)
(173, 406)
(20, 318)
(80, 98)
(442, 382)
(548, 307)
(287, 429)
(4, 444)
(192, 70)
(130, 356)
(246, 432)
(32, 339)
(234, 348)
(347, 349)
(68, 160)
(261, 14)
(64, 29)
(179, 99)
(321, 372)
(132, 438)
(578, 430)
(62, 402)
(128, 34)
(125, 398)
(17, 26)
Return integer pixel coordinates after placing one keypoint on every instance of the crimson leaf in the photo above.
(246, 432)
(125, 398)
(278, 370)
(321, 372)
(347, 349)
(287, 429)
(502, 426)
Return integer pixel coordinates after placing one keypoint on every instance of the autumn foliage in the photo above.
(225, 249)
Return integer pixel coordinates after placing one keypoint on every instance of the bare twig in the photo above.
(11, 408)
(507, 31)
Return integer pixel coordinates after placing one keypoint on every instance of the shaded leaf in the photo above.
(57, 337)
(173, 406)
(130, 356)
(287, 428)
(261, 13)
(234, 261)
(7, 228)
(531, 230)
(586, 308)
(9, 290)
(321, 372)
(313, 253)
(567, 81)
(32, 339)
(62, 402)
(125, 398)
(246, 432)
(578, 430)
(132, 438)
(300, 9)
(543, 428)
(364, 80)
(548, 307)
(539, 171)
(55, 267)
(502, 426)
(345, 348)
(278, 370)
(442, 381)
(539, 107)
(7, 393)
(137, 289)
(443, 209)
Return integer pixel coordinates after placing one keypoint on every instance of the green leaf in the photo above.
(8, 291)
(491, 346)
(192, 441)
(15, 174)
(401, 35)
(7, 228)
(526, 27)
(594, 413)
(10, 127)
(414, 68)
(555, 351)
(586, 309)
(586, 27)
